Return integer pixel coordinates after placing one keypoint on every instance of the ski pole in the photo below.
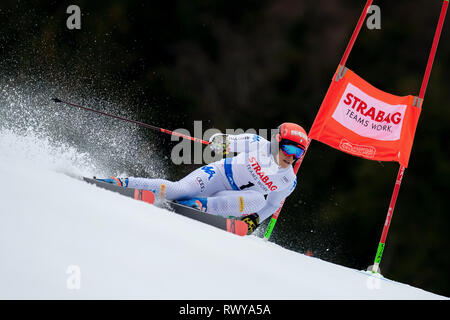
(145, 125)
(401, 171)
(274, 218)
(342, 63)
(387, 222)
(355, 33)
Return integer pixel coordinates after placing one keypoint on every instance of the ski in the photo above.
(143, 195)
(234, 226)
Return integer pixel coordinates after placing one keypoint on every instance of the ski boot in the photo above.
(196, 203)
(121, 182)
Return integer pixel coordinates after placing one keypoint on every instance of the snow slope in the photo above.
(61, 238)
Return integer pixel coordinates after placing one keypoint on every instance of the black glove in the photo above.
(252, 220)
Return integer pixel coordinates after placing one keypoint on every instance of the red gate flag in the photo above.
(359, 119)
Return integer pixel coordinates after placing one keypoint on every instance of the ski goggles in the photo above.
(289, 150)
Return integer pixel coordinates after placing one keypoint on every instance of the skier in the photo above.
(252, 185)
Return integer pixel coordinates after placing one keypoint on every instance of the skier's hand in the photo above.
(219, 143)
(252, 220)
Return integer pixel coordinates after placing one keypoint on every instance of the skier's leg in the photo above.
(202, 182)
(172, 189)
(235, 203)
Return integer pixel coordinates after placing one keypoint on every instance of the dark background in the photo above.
(255, 64)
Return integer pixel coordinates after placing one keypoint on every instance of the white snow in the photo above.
(61, 238)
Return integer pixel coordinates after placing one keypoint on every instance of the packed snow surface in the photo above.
(61, 238)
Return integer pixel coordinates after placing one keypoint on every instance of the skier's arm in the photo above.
(245, 142)
(274, 201)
